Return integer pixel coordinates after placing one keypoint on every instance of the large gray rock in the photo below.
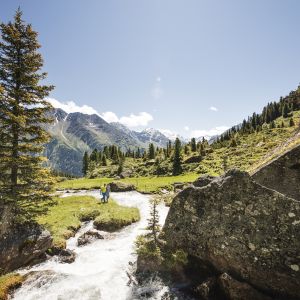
(282, 174)
(20, 245)
(239, 227)
(119, 186)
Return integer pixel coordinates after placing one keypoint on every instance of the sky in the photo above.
(194, 67)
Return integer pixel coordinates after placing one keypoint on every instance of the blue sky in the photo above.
(187, 66)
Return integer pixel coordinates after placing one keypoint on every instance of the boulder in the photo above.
(282, 174)
(66, 256)
(193, 159)
(239, 227)
(118, 186)
(20, 245)
(89, 237)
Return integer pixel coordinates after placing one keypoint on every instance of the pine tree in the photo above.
(104, 161)
(177, 169)
(202, 150)
(285, 110)
(151, 151)
(94, 155)
(153, 223)
(193, 145)
(186, 149)
(23, 113)
(138, 153)
(120, 167)
(85, 163)
(272, 125)
(115, 155)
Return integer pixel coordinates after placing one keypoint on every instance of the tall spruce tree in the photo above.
(151, 151)
(285, 110)
(153, 223)
(193, 145)
(177, 169)
(104, 161)
(24, 182)
(85, 163)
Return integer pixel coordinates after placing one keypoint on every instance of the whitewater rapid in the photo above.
(100, 269)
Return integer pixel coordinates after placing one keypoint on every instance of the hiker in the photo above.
(103, 193)
(107, 192)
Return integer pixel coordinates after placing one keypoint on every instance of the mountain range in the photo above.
(74, 133)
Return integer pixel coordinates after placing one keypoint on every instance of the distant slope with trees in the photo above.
(246, 146)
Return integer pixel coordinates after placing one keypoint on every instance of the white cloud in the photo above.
(142, 119)
(110, 117)
(208, 133)
(213, 108)
(186, 128)
(139, 120)
(71, 107)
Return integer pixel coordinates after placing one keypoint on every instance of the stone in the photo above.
(282, 174)
(88, 237)
(118, 186)
(67, 256)
(239, 227)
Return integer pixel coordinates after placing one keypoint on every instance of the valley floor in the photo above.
(142, 184)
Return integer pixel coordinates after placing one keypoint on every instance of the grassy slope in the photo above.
(9, 282)
(253, 150)
(64, 219)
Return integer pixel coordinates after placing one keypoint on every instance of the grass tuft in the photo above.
(8, 283)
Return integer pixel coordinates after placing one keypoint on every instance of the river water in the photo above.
(100, 269)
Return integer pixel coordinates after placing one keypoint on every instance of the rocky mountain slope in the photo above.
(73, 134)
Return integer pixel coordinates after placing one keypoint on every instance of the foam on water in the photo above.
(99, 271)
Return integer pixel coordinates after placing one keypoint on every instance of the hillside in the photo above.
(73, 134)
(248, 152)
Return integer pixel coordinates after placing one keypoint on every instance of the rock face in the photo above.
(118, 186)
(20, 245)
(239, 227)
(282, 174)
